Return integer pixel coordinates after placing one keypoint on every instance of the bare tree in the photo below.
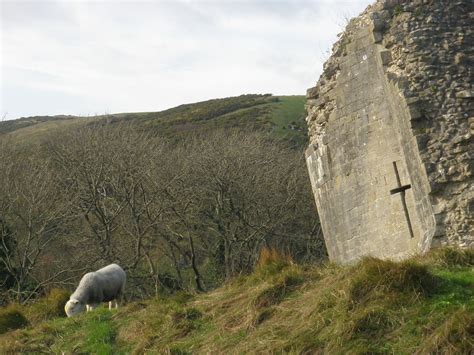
(186, 213)
(240, 191)
(34, 212)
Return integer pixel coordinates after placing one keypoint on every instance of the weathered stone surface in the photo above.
(395, 94)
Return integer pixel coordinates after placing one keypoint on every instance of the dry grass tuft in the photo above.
(373, 322)
(271, 256)
(454, 336)
(450, 257)
(375, 277)
(278, 290)
(11, 318)
(48, 307)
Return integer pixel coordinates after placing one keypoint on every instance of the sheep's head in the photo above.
(74, 307)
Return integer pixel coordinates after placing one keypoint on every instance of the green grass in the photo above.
(87, 333)
(282, 116)
(289, 117)
(99, 334)
(416, 306)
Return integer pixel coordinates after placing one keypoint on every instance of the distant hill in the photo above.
(281, 115)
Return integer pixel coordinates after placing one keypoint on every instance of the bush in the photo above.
(11, 318)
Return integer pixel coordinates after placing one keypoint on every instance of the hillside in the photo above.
(281, 115)
(423, 305)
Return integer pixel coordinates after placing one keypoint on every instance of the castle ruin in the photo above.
(391, 129)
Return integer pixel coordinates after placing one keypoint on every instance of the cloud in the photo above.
(88, 57)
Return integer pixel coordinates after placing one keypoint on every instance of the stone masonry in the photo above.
(391, 129)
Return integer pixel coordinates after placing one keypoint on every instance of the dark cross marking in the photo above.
(401, 189)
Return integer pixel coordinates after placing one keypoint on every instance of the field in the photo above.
(423, 305)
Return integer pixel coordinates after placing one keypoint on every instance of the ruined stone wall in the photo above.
(395, 98)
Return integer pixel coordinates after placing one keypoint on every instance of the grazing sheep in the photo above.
(104, 285)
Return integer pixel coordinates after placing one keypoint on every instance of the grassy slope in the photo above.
(422, 305)
(38, 130)
(289, 117)
(283, 116)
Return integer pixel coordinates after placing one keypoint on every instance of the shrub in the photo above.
(11, 318)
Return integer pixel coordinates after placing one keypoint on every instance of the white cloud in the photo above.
(86, 57)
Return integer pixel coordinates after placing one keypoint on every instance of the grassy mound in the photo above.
(399, 281)
(50, 306)
(423, 305)
(12, 317)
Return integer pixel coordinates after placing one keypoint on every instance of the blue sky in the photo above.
(95, 57)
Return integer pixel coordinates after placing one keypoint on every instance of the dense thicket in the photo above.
(174, 214)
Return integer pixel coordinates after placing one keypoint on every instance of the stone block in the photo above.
(465, 94)
(385, 56)
(312, 93)
(414, 113)
(313, 102)
(389, 4)
(377, 24)
(377, 37)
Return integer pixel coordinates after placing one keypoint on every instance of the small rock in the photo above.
(465, 94)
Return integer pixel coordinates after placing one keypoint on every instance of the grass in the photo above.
(48, 307)
(99, 334)
(282, 116)
(423, 305)
(289, 119)
(11, 317)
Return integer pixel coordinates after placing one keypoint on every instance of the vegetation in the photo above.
(283, 116)
(47, 307)
(415, 306)
(208, 208)
(180, 213)
(11, 317)
(13, 125)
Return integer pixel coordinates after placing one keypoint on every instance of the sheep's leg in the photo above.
(116, 304)
(110, 305)
(88, 308)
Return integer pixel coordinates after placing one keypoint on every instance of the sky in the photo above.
(98, 57)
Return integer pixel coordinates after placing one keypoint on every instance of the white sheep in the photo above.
(104, 285)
